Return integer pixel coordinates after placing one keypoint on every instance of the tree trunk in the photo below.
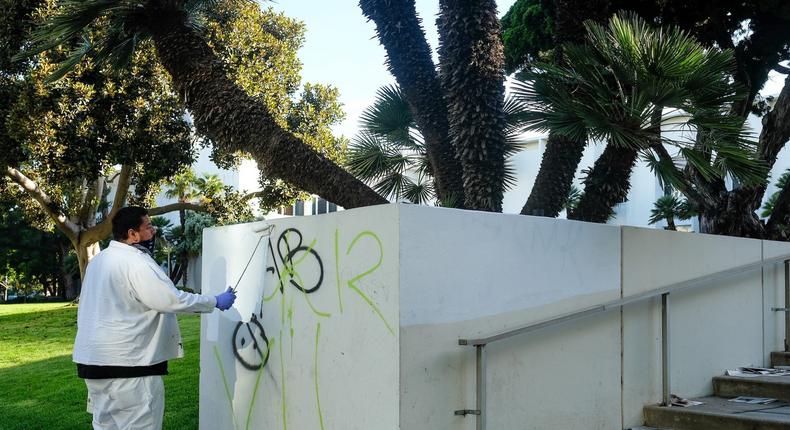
(555, 177)
(562, 155)
(732, 217)
(66, 282)
(606, 184)
(472, 64)
(409, 60)
(671, 223)
(238, 122)
(85, 252)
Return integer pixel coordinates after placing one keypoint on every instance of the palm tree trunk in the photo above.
(671, 224)
(778, 224)
(238, 122)
(606, 185)
(562, 156)
(472, 64)
(409, 60)
(555, 177)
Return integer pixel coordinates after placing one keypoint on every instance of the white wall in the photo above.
(430, 276)
(469, 273)
(331, 365)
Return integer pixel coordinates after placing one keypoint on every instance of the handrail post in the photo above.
(481, 387)
(787, 305)
(665, 379)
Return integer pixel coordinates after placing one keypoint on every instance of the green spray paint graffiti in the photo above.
(300, 266)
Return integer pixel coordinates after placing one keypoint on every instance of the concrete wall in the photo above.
(332, 349)
(471, 273)
(412, 280)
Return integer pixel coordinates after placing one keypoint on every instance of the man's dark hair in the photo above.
(130, 217)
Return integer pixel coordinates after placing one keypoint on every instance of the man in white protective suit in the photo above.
(127, 328)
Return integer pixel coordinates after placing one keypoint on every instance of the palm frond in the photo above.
(420, 192)
(392, 184)
(389, 116)
(370, 157)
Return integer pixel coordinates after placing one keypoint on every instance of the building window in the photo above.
(321, 206)
(299, 208)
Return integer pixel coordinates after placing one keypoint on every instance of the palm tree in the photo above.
(473, 83)
(770, 204)
(181, 187)
(458, 109)
(208, 186)
(409, 60)
(621, 89)
(391, 154)
(108, 32)
(669, 208)
(562, 154)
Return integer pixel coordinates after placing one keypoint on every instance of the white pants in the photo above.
(126, 403)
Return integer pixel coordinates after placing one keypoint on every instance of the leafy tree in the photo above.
(527, 33)
(60, 142)
(232, 118)
(93, 119)
(31, 258)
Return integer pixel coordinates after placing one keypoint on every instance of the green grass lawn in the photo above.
(39, 388)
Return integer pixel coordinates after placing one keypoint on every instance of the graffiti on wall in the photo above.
(298, 271)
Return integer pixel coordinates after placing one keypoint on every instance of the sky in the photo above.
(341, 49)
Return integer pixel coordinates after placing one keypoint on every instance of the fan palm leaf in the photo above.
(611, 89)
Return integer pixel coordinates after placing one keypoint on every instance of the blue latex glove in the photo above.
(226, 299)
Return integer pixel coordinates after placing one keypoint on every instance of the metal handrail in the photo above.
(663, 292)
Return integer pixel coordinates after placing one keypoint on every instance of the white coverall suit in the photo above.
(126, 317)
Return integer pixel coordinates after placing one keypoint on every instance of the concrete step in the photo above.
(780, 358)
(719, 414)
(776, 387)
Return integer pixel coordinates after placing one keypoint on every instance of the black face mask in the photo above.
(147, 246)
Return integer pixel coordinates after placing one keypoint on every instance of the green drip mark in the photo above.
(282, 381)
(307, 298)
(352, 281)
(258, 382)
(225, 383)
(291, 325)
(337, 269)
(315, 376)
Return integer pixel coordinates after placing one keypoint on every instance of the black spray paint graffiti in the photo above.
(256, 335)
(288, 259)
(254, 331)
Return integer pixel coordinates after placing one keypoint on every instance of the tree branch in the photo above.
(774, 135)
(122, 189)
(51, 208)
(103, 229)
(252, 195)
(160, 210)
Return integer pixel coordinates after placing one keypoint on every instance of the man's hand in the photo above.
(226, 299)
